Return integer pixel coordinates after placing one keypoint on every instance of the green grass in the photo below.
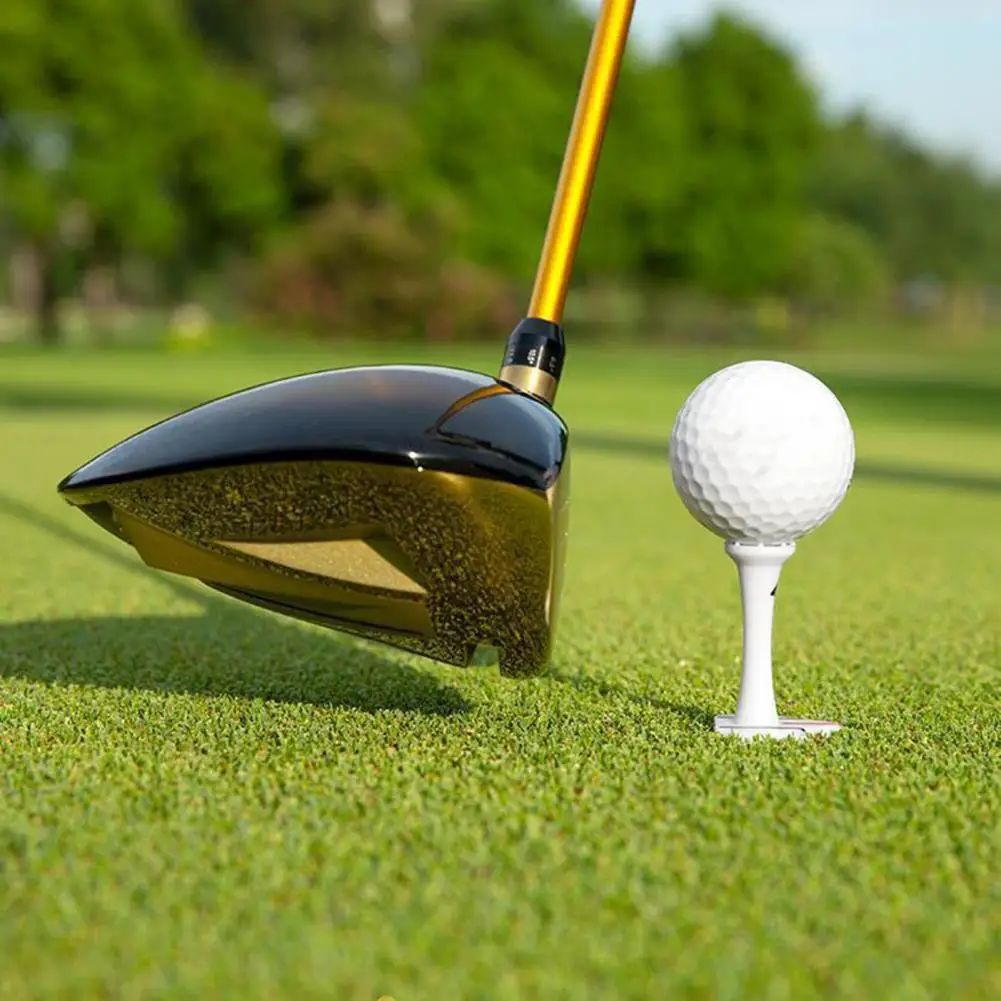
(199, 800)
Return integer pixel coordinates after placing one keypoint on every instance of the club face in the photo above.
(422, 507)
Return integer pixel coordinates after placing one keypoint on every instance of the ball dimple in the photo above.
(762, 452)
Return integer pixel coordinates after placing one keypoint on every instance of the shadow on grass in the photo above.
(604, 689)
(947, 401)
(65, 399)
(229, 650)
(655, 449)
(224, 652)
(927, 401)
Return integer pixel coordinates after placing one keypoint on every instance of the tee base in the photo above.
(797, 729)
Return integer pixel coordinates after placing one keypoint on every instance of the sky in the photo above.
(932, 67)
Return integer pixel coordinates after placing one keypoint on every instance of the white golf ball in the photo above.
(762, 452)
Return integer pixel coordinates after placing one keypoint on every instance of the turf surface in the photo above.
(200, 800)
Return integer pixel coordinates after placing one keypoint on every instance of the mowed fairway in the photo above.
(200, 800)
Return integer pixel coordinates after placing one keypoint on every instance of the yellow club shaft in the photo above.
(580, 163)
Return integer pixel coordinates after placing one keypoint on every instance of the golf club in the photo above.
(420, 506)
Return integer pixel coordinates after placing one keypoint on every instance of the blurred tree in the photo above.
(371, 150)
(753, 126)
(929, 214)
(354, 269)
(380, 254)
(632, 231)
(496, 99)
(494, 105)
(837, 267)
(309, 54)
(295, 48)
(110, 113)
(226, 181)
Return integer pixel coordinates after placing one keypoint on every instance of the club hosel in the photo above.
(759, 568)
(533, 359)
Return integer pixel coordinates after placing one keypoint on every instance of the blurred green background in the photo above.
(189, 170)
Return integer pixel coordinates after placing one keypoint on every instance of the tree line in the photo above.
(387, 166)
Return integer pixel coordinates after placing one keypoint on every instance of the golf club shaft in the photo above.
(573, 194)
(580, 163)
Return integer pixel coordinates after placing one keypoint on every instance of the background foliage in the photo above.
(371, 167)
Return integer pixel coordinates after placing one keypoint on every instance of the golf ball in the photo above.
(762, 452)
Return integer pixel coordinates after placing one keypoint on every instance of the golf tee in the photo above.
(759, 568)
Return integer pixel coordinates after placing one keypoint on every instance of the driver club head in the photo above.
(422, 507)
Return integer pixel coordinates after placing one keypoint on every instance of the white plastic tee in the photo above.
(760, 568)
